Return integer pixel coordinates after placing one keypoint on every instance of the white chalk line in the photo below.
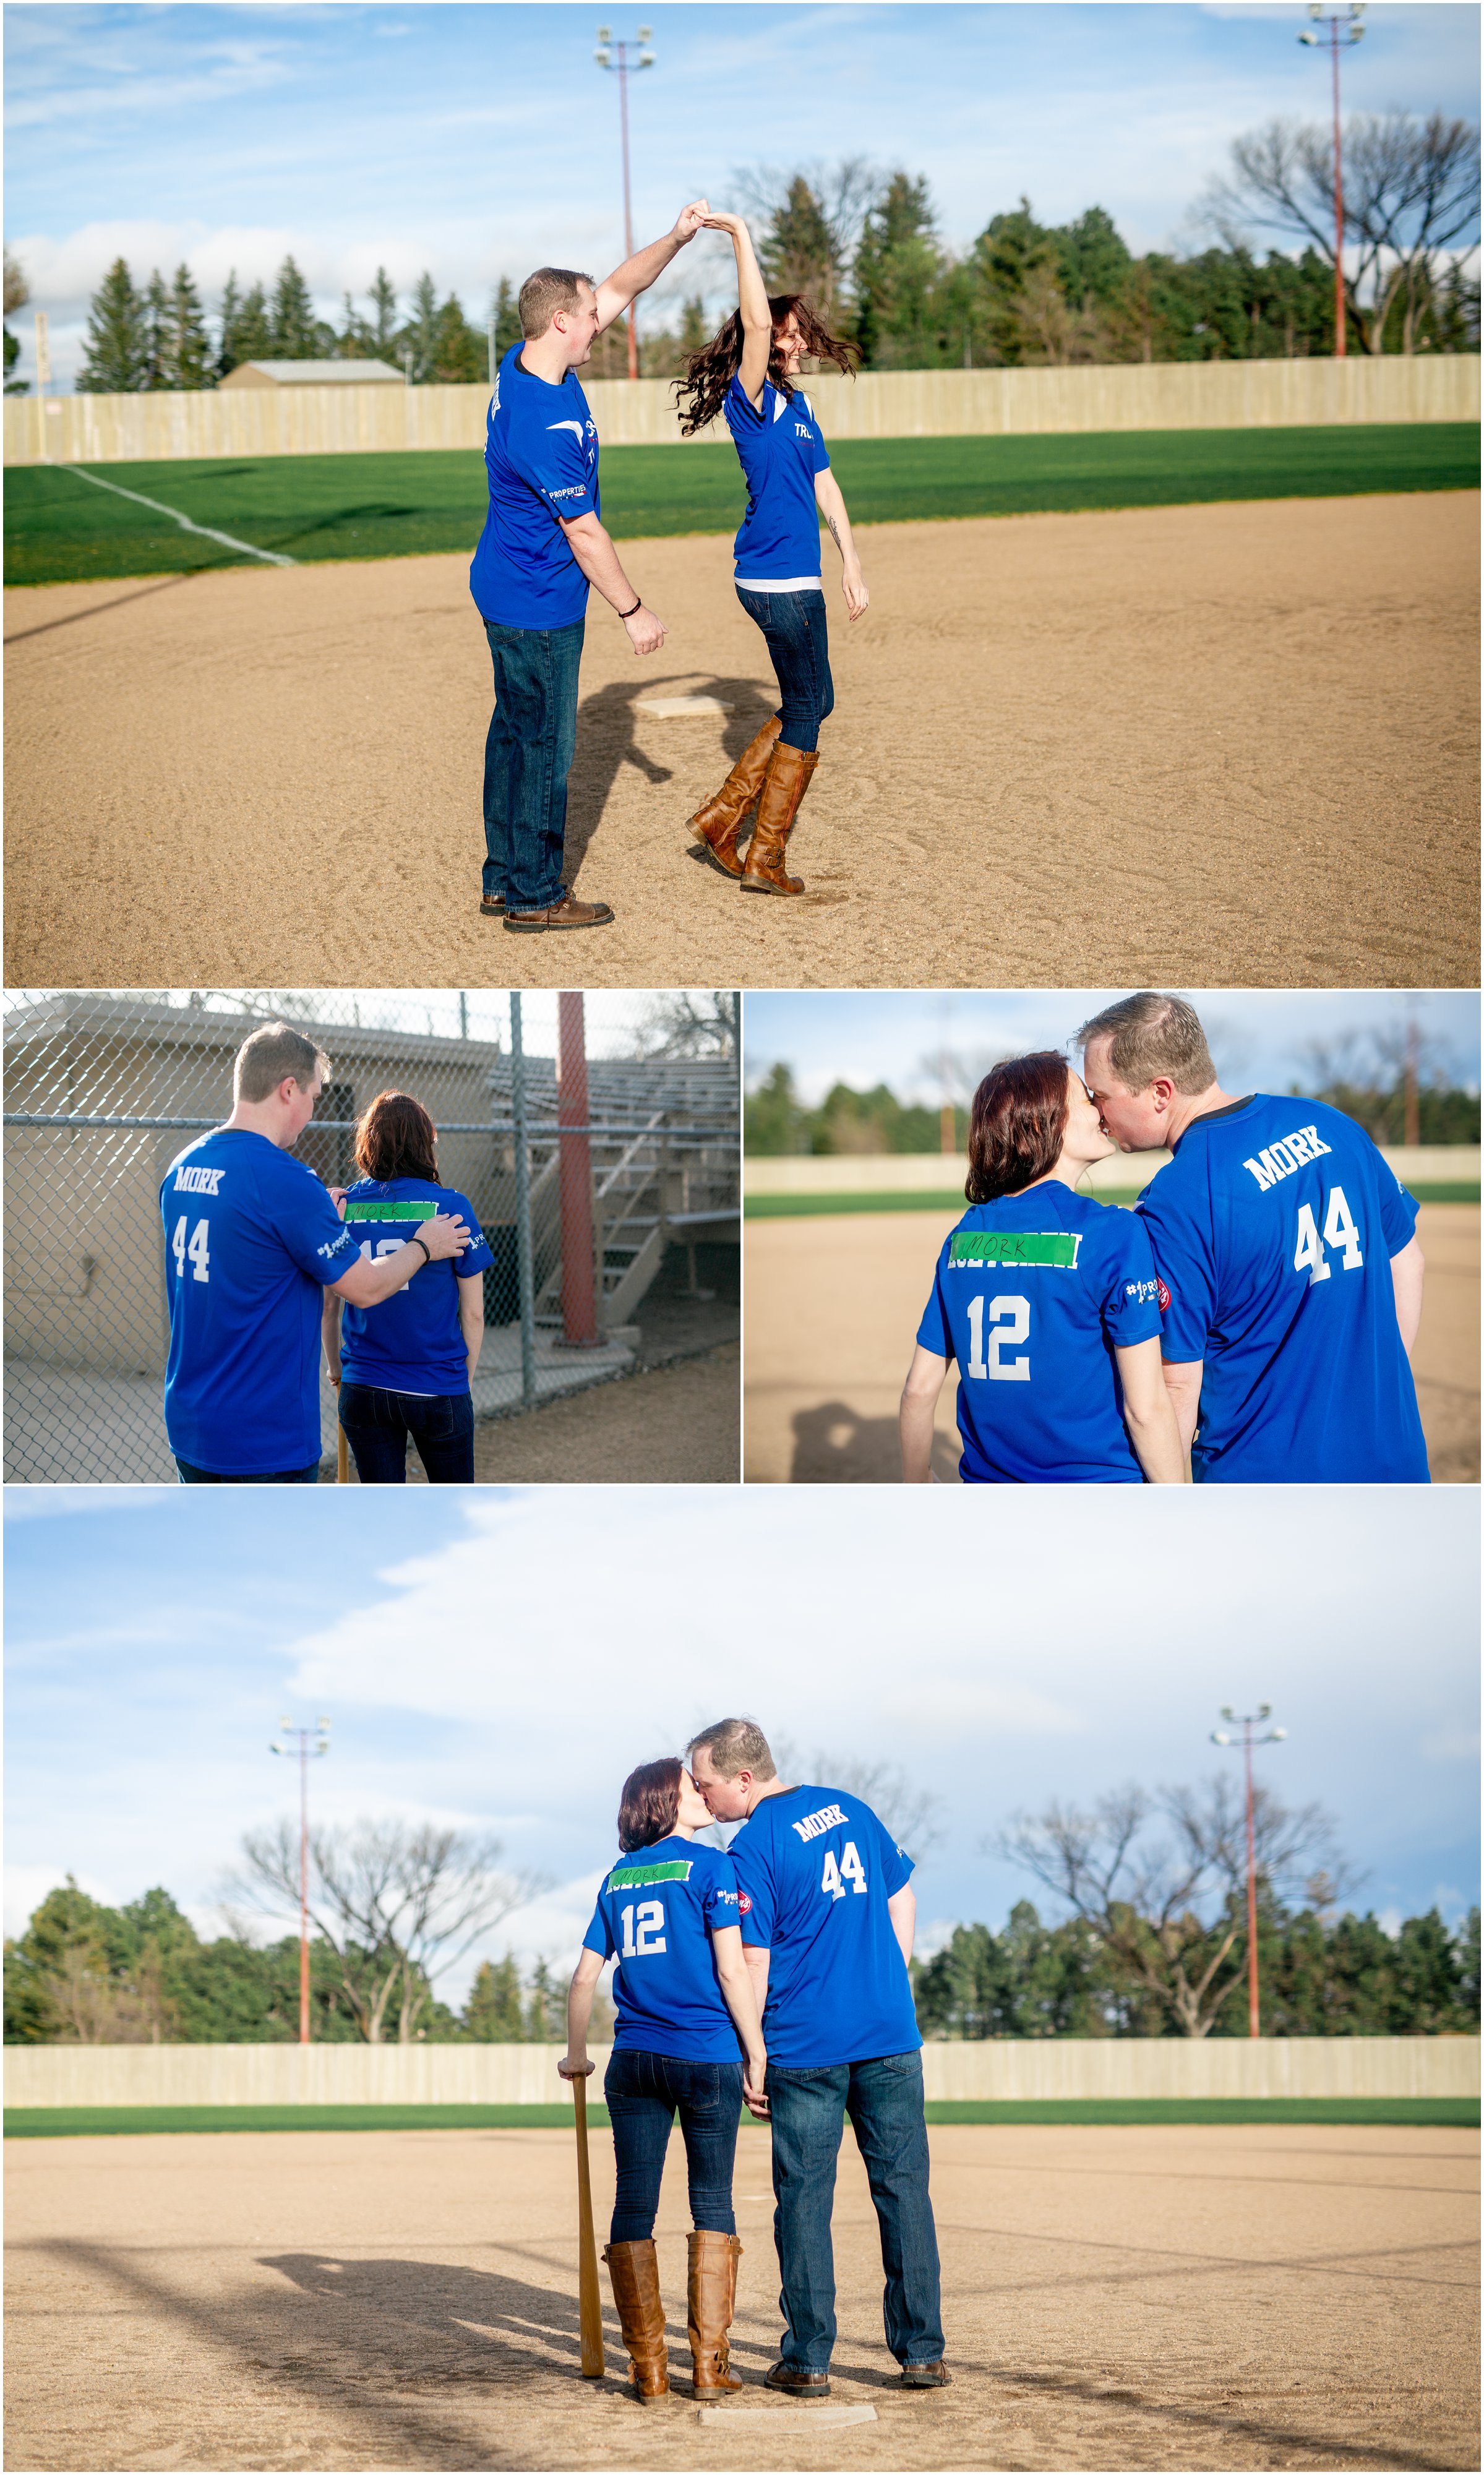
(274, 557)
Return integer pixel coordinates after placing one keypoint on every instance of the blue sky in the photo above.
(501, 1661)
(478, 140)
(1260, 1038)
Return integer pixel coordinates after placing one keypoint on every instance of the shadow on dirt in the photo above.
(607, 739)
(832, 1446)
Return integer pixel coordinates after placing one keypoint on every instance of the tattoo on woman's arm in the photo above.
(835, 529)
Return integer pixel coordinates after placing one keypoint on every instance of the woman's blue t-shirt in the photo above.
(782, 447)
(412, 1342)
(1032, 1295)
(657, 1911)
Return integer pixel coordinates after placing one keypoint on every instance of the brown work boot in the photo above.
(712, 2300)
(492, 906)
(722, 819)
(569, 913)
(789, 773)
(635, 2272)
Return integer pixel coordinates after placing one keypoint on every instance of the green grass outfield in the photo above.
(815, 1206)
(65, 2122)
(61, 529)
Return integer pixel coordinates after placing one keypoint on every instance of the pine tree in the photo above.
(492, 2015)
(18, 292)
(799, 248)
(696, 330)
(296, 335)
(250, 335)
(185, 360)
(382, 329)
(898, 265)
(459, 356)
(157, 331)
(507, 319)
(228, 314)
(544, 2022)
(417, 337)
(116, 359)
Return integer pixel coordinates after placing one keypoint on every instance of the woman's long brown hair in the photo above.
(701, 393)
(396, 1138)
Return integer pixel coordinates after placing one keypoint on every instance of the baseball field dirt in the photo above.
(1216, 745)
(1253, 2297)
(676, 1424)
(834, 1305)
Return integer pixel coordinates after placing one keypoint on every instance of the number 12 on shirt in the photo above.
(649, 1941)
(1009, 1320)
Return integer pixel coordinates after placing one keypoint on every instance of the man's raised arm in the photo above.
(637, 273)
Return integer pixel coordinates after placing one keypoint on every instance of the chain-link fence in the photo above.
(590, 1134)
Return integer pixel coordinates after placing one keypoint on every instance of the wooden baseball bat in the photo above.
(341, 1457)
(589, 2299)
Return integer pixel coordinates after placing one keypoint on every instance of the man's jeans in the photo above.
(190, 1475)
(643, 2093)
(884, 2100)
(527, 757)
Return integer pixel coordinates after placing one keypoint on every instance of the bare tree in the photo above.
(690, 1022)
(397, 1903)
(1411, 190)
(840, 195)
(913, 1814)
(1169, 1910)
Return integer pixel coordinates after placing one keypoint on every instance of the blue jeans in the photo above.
(377, 1424)
(797, 636)
(528, 756)
(644, 2093)
(884, 2100)
(190, 1475)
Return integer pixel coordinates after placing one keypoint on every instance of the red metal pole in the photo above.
(579, 1311)
(628, 217)
(1254, 2028)
(1339, 211)
(304, 1887)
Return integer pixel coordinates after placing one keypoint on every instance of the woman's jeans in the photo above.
(643, 2093)
(884, 2100)
(528, 756)
(797, 637)
(377, 1424)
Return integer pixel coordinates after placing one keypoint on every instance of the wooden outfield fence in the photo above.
(1009, 2071)
(346, 420)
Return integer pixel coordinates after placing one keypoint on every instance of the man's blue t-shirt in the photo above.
(1272, 1229)
(412, 1342)
(251, 1238)
(540, 456)
(1032, 1295)
(815, 1872)
(657, 1911)
(782, 447)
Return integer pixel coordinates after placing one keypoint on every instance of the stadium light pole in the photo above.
(307, 1743)
(644, 60)
(1247, 1722)
(1343, 32)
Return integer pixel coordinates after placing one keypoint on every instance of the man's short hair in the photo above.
(1151, 1034)
(271, 1052)
(735, 1745)
(543, 294)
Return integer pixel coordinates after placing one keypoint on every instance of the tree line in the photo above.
(868, 246)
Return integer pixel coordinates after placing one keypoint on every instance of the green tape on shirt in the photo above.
(1057, 1247)
(634, 1878)
(411, 1211)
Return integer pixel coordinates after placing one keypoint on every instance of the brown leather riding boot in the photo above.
(712, 2301)
(789, 776)
(635, 2272)
(722, 819)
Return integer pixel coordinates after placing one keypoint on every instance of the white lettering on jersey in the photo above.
(1281, 1159)
(333, 1245)
(801, 430)
(1145, 1294)
(812, 1824)
(199, 1180)
(574, 490)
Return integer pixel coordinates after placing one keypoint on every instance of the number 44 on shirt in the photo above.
(849, 1869)
(198, 1249)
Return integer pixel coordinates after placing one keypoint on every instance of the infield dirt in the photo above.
(834, 1305)
(1187, 2297)
(1211, 746)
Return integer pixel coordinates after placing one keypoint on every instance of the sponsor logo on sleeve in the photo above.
(1145, 1294)
(744, 1903)
(1164, 1297)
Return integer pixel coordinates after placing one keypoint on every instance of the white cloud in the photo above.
(26, 1886)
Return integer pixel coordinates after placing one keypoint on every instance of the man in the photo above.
(827, 1919)
(1291, 1278)
(253, 1241)
(542, 545)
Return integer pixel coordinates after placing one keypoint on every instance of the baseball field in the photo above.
(1190, 2296)
(1221, 740)
(832, 1308)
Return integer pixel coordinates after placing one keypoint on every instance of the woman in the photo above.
(749, 373)
(1049, 1302)
(404, 1368)
(686, 2006)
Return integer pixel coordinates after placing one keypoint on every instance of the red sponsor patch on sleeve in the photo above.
(743, 1902)
(1164, 1299)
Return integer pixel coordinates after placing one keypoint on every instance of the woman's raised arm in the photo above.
(757, 319)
